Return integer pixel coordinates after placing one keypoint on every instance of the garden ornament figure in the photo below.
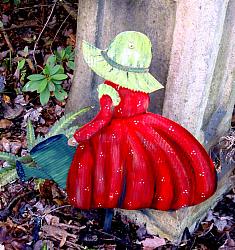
(128, 157)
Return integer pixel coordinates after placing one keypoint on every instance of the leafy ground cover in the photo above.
(36, 214)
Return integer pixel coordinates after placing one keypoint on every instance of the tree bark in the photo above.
(196, 44)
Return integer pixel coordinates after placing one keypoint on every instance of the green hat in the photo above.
(125, 62)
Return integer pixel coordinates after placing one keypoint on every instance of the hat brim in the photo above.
(144, 82)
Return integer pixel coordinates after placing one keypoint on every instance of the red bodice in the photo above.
(132, 102)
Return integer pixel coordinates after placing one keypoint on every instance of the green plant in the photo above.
(60, 127)
(21, 64)
(48, 81)
(65, 56)
(7, 175)
(16, 2)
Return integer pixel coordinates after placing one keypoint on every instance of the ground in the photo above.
(36, 214)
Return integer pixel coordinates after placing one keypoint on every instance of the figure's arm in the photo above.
(108, 98)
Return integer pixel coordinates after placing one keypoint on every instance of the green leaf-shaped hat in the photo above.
(125, 62)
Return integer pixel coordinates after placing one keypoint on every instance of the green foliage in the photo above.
(30, 135)
(16, 2)
(69, 132)
(49, 80)
(8, 157)
(61, 126)
(22, 62)
(66, 56)
(7, 175)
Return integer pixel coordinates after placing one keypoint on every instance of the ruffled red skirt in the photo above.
(144, 161)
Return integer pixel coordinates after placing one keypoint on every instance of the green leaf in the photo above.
(70, 131)
(57, 82)
(66, 121)
(26, 51)
(46, 69)
(58, 87)
(51, 86)
(8, 175)
(54, 70)
(59, 77)
(30, 135)
(42, 85)
(68, 50)
(31, 86)
(71, 65)
(8, 157)
(61, 70)
(16, 2)
(60, 95)
(62, 53)
(36, 77)
(44, 96)
(21, 64)
(51, 60)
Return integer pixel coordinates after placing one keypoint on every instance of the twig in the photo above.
(70, 226)
(57, 208)
(23, 25)
(59, 31)
(36, 43)
(107, 234)
(7, 39)
(69, 9)
(34, 6)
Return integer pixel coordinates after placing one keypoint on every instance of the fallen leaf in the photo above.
(141, 232)
(5, 123)
(6, 144)
(52, 220)
(58, 110)
(5, 19)
(57, 233)
(221, 224)
(17, 74)
(32, 114)
(152, 243)
(15, 147)
(39, 206)
(12, 113)
(20, 100)
(229, 244)
(30, 63)
(6, 99)
(42, 130)
(71, 40)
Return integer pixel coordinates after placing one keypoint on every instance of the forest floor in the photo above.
(36, 215)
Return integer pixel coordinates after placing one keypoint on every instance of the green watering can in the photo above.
(53, 158)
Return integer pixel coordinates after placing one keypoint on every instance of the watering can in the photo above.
(53, 158)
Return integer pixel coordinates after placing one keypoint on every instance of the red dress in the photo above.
(130, 158)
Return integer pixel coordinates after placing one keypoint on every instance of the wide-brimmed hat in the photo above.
(125, 62)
